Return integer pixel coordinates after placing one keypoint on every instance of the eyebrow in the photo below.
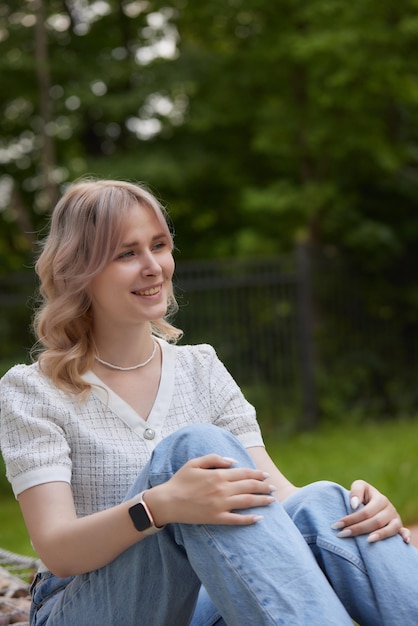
(132, 244)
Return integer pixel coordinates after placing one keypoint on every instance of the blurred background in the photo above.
(283, 139)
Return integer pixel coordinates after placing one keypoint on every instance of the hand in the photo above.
(208, 490)
(378, 517)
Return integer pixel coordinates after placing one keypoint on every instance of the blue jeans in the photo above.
(288, 569)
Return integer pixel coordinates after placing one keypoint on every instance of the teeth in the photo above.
(149, 292)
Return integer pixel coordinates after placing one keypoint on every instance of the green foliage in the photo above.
(366, 339)
(260, 123)
(16, 298)
(311, 108)
(248, 117)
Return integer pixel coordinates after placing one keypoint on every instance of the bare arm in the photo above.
(68, 545)
(264, 462)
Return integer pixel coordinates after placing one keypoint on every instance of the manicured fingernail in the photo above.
(344, 533)
(408, 539)
(354, 502)
(337, 525)
(373, 537)
(258, 518)
(272, 488)
(229, 460)
(266, 475)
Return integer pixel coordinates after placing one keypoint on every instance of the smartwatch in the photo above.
(141, 516)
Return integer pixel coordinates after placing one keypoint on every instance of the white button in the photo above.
(149, 433)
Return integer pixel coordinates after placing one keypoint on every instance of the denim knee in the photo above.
(324, 490)
(202, 435)
(193, 441)
(317, 506)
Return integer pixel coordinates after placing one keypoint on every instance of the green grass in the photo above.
(384, 454)
(13, 534)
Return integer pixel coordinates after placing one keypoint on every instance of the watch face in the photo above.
(139, 516)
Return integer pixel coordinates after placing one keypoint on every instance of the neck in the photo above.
(124, 347)
(127, 368)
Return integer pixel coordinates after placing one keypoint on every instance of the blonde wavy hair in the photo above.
(85, 230)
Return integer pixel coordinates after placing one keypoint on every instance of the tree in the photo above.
(77, 90)
(260, 123)
(304, 114)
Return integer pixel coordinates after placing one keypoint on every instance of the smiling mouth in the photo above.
(147, 292)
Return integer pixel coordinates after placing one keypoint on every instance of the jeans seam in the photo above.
(341, 552)
(232, 567)
(72, 595)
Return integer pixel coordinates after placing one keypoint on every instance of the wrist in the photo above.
(141, 515)
(158, 506)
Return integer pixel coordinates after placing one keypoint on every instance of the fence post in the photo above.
(305, 319)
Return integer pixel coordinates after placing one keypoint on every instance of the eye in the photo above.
(159, 245)
(126, 255)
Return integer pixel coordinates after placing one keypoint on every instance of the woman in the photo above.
(140, 468)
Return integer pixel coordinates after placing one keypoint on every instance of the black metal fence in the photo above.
(301, 340)
(253, 313)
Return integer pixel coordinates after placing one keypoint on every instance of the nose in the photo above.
(150, 265)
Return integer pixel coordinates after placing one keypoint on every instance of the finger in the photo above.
(405, 533)
(242, 474)
(362, 515)
(210, 461)
(389, 530)
(383, 529)
(239, 519)
(251, 486)
(215, 461)
(378, 508)
(239, 516)
(383, 515)
(249, 501)
(358, 492)
(370, 517)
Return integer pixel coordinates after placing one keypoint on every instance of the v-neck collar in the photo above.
(124, 410)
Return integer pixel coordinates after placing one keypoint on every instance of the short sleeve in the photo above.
(230, 408)
(32, 430)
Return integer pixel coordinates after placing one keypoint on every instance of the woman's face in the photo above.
(135, 285)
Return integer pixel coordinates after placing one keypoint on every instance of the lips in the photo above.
(152, 291)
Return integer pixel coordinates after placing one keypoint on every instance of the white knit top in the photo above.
(101, 444)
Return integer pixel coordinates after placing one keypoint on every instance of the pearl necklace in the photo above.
(133, 367)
